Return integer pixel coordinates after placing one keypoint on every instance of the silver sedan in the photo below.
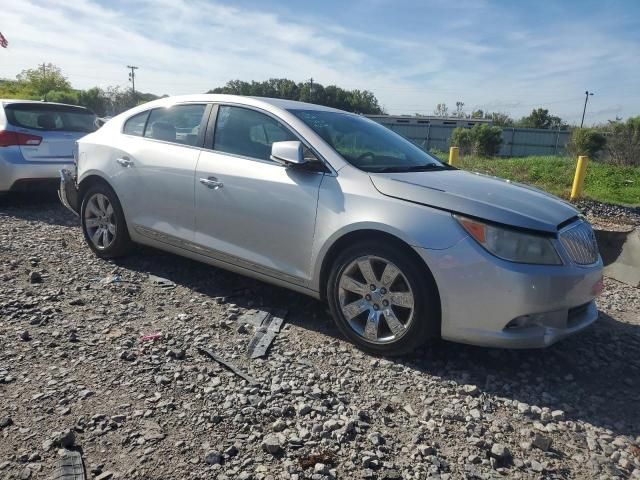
(333, 205)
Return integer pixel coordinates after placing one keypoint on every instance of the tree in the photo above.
(500, 119)
(441, 110)
(359, 101)
(477, 113)
(623, 142)
(95, 100)
(63, 96)
(586, 141)
(541, 118)
(43, 80)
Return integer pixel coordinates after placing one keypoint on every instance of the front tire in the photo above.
(103, 222)
(382, 299)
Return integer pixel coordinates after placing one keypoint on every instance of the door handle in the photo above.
(211, 182)
(125, 161)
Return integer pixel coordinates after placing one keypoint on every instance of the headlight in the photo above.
(510, 244)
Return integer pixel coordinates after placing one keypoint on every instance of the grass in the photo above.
(603, 182)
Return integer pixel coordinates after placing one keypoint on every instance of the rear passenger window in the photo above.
(176, 124)
(245, 132)
(135, 125)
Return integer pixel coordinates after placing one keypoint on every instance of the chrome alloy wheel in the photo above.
(376, 299)
(99, 222)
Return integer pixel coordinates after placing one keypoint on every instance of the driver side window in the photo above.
(245, 132)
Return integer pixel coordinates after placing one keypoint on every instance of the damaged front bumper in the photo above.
(68, 192)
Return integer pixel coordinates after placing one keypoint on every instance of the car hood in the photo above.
(480, 196)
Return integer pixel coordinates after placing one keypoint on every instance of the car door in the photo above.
(251, 211)
(156, 162)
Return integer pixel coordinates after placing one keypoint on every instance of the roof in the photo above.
(220, 97)
(6, 101)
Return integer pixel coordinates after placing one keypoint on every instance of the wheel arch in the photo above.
(368, 234)
(89, 180)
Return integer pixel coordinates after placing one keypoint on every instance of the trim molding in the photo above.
(218, 255)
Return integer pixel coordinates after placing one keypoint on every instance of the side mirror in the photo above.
(288, 153)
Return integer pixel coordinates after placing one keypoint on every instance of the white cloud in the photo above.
(186, 46)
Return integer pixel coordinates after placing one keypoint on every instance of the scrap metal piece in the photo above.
(69, 467)
(163, 283)
(254, 317)
(266, 333)
(229, 366)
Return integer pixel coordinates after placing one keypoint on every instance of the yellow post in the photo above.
(453, 156)
(578, 179)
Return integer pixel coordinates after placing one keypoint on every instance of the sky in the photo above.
(505, 56)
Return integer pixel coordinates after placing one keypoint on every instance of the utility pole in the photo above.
(586, 99)
(132, 78)
(44, 79)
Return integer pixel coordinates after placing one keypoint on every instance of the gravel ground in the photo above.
(74, 371)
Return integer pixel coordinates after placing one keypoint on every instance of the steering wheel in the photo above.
(365, 155)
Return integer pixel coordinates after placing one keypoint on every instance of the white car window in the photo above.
(176, 124)
(245, 132)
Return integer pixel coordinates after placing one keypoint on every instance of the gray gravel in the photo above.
(75, 373)
(629, 215)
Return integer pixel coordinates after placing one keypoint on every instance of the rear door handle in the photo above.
(211, 182)
(125, 161)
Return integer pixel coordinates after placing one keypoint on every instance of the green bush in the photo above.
(481, 140)
(63, 96)
(623, 143)
(586, 141)
(462, 138)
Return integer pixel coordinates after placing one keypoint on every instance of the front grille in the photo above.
(580, 243)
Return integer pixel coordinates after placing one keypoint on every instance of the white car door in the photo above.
(249, 210)
(156, 164)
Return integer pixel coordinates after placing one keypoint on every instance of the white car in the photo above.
(336, 206)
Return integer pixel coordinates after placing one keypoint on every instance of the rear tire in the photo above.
(103, 223)
(382, 299)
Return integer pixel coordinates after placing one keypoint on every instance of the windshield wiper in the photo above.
(429, 167)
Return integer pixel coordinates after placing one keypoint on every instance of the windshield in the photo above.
(366, 144)
(50, 117)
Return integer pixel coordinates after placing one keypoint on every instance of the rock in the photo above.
(499, 451)
(390, 475)
(279, 425)
(213, 458)
(128, 356)
(541, 442)
(231, 451)
(272, 444)
(5, 422)
(25, 336)
(105, 476)
(557, 415)
(536, 466)
(162, 380)
(471, 390)
(331, 425)
(35, 277)
(303, 409)
(65, 439)
(84, 394)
